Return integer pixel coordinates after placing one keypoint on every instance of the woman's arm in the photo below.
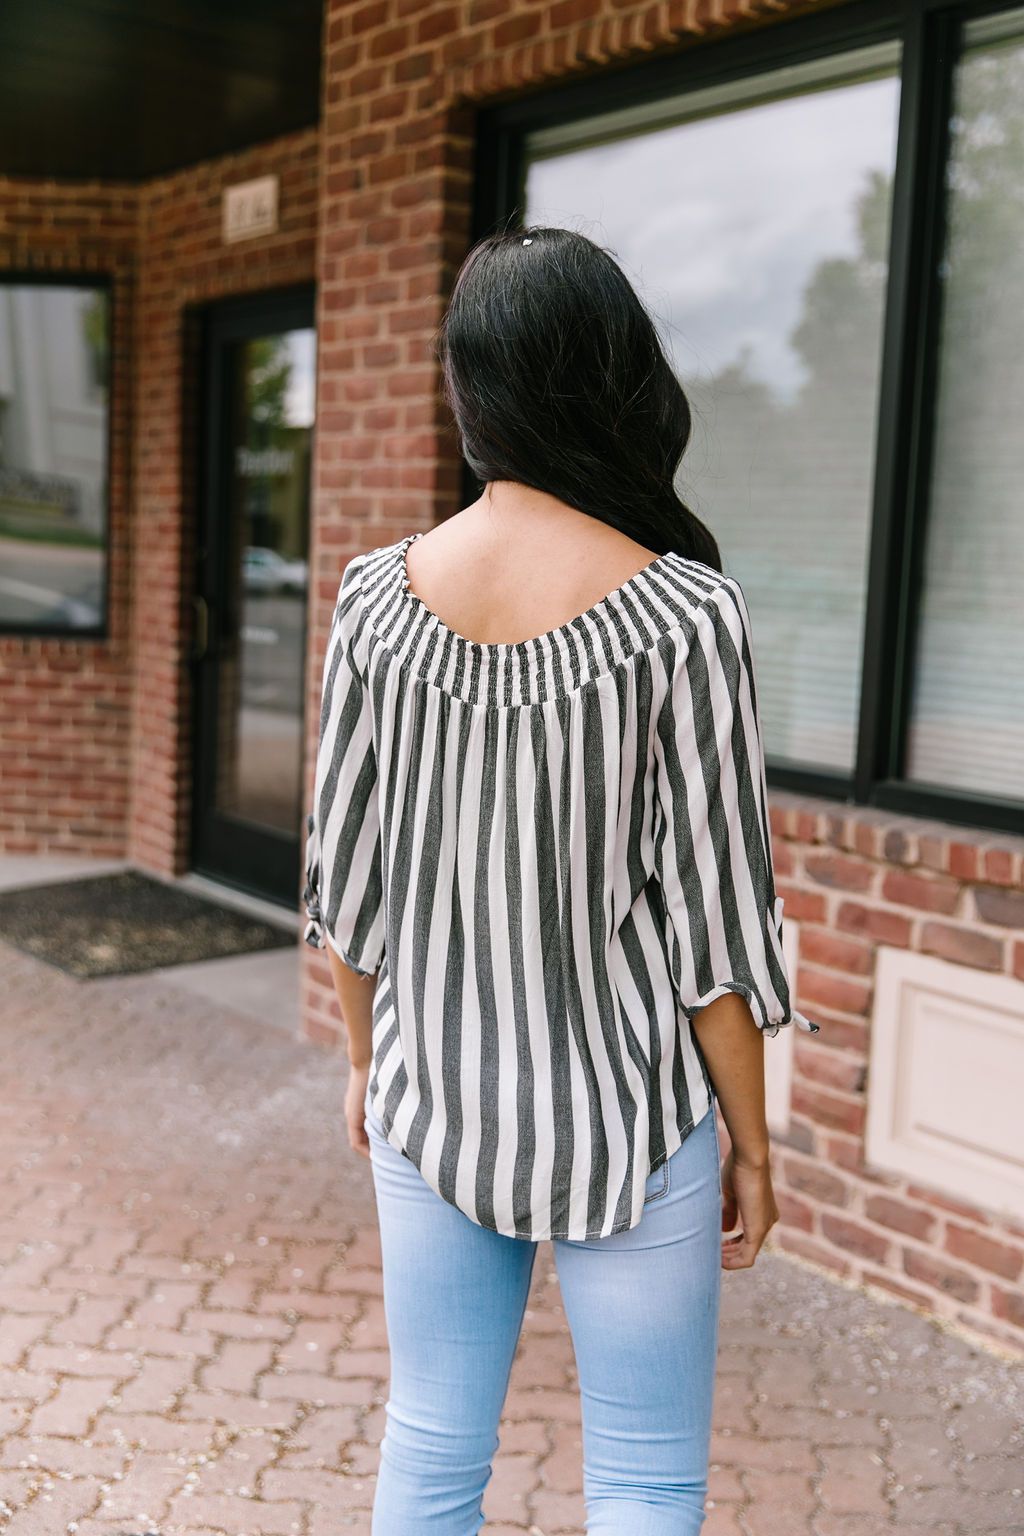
(713, 862)
(355, 999)
(733, 1047)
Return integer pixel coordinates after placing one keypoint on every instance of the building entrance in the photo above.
(252, 579)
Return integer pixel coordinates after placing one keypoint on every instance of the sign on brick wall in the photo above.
(250, 209)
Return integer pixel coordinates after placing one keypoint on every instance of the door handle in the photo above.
(201, 630)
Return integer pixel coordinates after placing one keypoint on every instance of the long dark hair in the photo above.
(556, 377)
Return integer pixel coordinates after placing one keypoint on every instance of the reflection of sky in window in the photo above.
(720, 223)
(300, 399)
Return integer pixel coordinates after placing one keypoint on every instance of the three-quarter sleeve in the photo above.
(343, 893)
(712, 845)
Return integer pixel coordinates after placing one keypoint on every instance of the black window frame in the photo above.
(99, 282)
(930, 33)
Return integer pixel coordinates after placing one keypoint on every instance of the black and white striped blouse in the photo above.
(552, 853)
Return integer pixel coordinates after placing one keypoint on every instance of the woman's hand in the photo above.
(355, 1113)
(733, 1049)
(747, 1199)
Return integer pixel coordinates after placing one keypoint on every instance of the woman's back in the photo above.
(520, 572)
(554, 846)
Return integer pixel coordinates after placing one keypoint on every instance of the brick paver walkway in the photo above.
(192, 1339)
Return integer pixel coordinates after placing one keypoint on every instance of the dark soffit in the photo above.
(122, 90)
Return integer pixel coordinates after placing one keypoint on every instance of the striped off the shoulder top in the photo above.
(551, 854)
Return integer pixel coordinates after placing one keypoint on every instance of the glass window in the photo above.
(967, 713)
(272, 392)
(753, 218)
(54, 364)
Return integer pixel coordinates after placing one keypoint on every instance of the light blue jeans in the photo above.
(642, 1308)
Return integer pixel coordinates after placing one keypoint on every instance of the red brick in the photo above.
(828, 1108)
(963, 946)
(814, 1180)
(838, 829)
(844, 1034)
(867, 839)
(929, 893)
(934, 853)
(947, 1278)
(793, 1211)
(1001, 866)
(946, 1202)
(886, 1282)
(1003, 1259)
(818, 1063)
(802, 906)
(1008, 1305)
(857, 1239)
(889, 1211)
(1004, 908)
(783, 858)
(799, 1135)
(899, 846)
(825, 989)
(1018, 961)
(821, 947)
(838, 871)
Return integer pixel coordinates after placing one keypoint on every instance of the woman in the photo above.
(539, 858)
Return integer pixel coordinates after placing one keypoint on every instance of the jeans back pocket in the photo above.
(657, 1183)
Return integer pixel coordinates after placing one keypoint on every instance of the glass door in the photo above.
(252, 579)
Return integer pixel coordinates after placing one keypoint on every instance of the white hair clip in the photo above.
(528, 240)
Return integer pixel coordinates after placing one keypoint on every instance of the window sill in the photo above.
(966, 853)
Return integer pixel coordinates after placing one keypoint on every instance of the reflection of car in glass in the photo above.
(264, 570)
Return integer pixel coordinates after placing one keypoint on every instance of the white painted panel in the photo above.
(946, 1079)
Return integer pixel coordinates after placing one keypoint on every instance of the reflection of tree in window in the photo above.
(967, 715)
(843, 302)
(982, 370)
(756, 216)
(791, 487)
(836, 339)
(270, 372)
(267, 375)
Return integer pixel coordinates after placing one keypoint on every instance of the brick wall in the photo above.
(65, 703)
(855, 880)
(95, 735)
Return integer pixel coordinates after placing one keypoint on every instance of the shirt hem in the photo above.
(319, 937)
(671, 1147)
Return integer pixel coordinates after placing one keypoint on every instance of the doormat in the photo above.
(126, 922)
